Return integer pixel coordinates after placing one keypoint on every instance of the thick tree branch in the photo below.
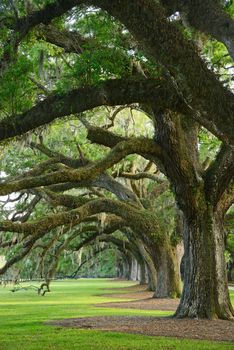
(139, 219)
(112, 92)
(121, 150)
(164, 41)
(207, 16)
(109, 139)
(103, 137)
(140, 176)
(44, 16)
(226, 200)
(70, 41)
(103, 181)
(219, 174)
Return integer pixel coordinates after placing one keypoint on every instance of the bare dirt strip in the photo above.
(155, 326)
(217, 330)
(143, 301)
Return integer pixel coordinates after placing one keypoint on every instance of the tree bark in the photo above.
(168, 275)
(142, 274)
(133, 275)
(224, 305)
(205, 293)
(207, 16)
(152, 272)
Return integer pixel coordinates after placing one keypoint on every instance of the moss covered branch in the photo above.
(121, 150)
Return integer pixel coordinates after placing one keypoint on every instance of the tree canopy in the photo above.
(123, 116)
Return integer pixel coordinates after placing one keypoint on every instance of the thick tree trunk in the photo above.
(224, 307)
(151, 281)
(168, 275)
(152, 272)
(126, 268)
(133, 275)
(205, 293)
(142, 274)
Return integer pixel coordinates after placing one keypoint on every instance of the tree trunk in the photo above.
(152, 273)
(126, 267)
(205, 293)
(224, 306)
(133, 275)
(168, 275)
(142, 274)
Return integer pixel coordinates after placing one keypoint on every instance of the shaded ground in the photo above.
(143, 300)
(144, 304)
(155, 326)
(160, 326)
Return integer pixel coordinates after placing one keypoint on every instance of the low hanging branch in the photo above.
(95, 252)
(110, 92)
(103, 180)
(220, 173)
(140, 220)
(45, 287)
(121, 150)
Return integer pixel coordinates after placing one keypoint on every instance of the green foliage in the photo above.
(208, 145)
(229, 7)
(16, 93)
(110, 53)
(14, 163)
(103, 265)
(98, 25)
(93, 66)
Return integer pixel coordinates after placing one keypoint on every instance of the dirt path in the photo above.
(155, 326)
(143, 300)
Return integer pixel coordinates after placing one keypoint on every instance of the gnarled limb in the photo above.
(164, 41)
(103, 180)
(219, 174)
(198, 86)
(207, 16)
(134, 145)
(70, 41)
(111, 92)
(140, 220)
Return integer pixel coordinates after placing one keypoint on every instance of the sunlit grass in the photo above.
(232, 296)
(23, 313)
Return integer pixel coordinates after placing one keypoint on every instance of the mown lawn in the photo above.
(22, 315)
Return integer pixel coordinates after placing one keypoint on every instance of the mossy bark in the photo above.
(205, 293)
(168, 275)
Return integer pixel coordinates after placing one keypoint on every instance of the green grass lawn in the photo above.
(23, 313)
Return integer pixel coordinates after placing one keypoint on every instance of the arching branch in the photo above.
(226, 200)
(70, 41)
(163, 40)
(220, 174)
(198, 86)
(134, 145)
(207, 16)
(103, 180)
(111, 92)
